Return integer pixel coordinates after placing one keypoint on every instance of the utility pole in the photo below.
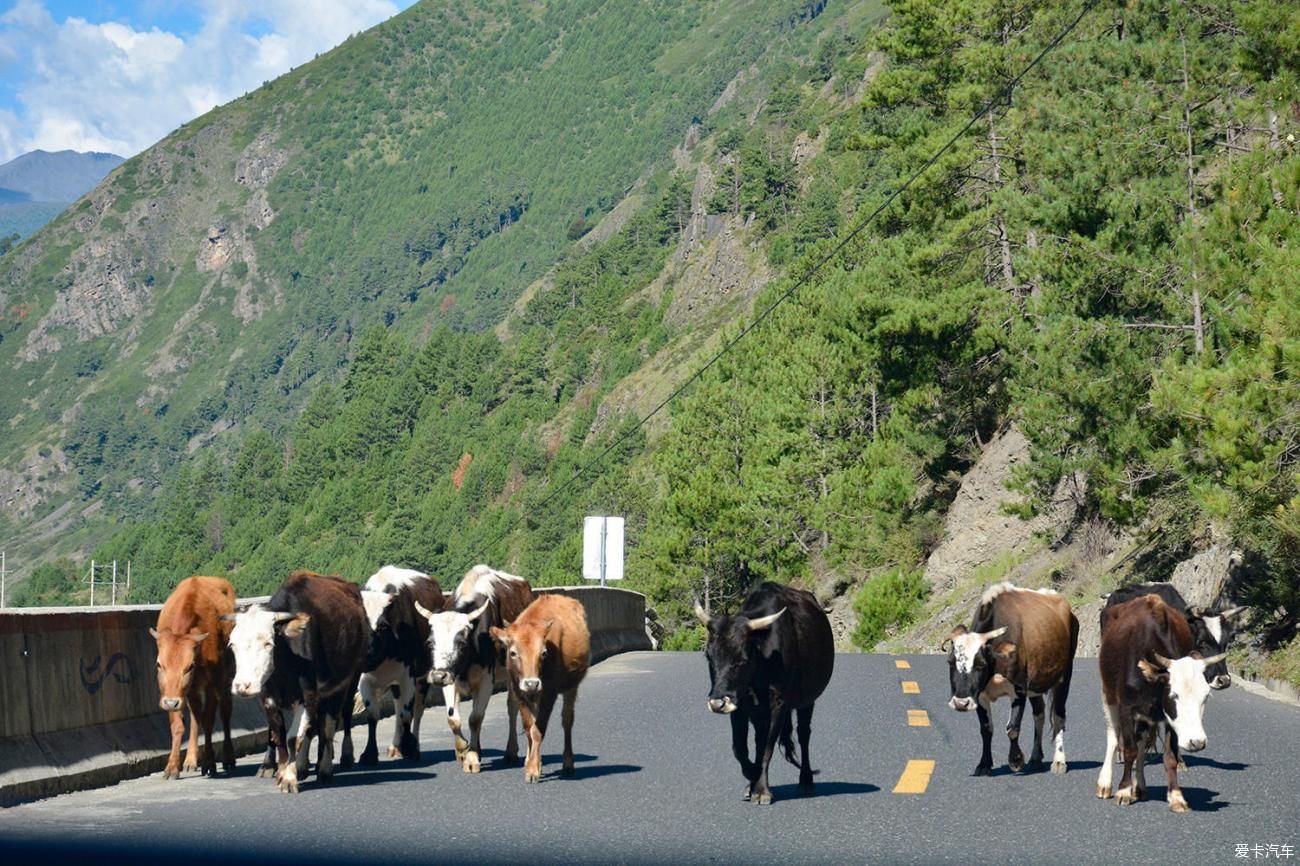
(92, 583)
(3, 575)
(114, 596)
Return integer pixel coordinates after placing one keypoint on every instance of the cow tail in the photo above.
(787, 741)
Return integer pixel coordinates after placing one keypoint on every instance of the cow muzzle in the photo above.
(1222, 681)
(1192, 745)
(440, 678)
(962, 705)
(243, 690)
(722, 705)
(530, 685)
(170, 704)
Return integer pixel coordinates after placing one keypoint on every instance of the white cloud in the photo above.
(109, 86)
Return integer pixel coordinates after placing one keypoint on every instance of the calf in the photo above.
(398, 657)
(1021, 643)
(1211, 629)
(465, 659)
(548, 651)
(767, 662)
(307, 647)
(194, 669)
(1150, 673)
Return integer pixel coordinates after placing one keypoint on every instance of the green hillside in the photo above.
(419, 177)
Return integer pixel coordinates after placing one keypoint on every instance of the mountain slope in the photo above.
(419, 176)
(63, 176)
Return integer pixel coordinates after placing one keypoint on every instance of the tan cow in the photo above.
(548, 651)
(194, 669)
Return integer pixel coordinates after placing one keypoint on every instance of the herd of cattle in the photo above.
(1159, 659)
(320, 640)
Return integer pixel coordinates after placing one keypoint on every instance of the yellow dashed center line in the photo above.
(918, 718)
(902, 664)
(911, 687)
(915, 778)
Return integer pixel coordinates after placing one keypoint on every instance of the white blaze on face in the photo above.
(375, 604)
(965, 648)
(1189, 690)
(444, 628)
(252, 639)
(1215, 626)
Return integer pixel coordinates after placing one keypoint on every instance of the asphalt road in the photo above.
(656, 783)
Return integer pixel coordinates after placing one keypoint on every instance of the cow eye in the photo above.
(159, 665)
(514, 653)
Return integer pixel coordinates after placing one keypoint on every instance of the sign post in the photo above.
(602, 549)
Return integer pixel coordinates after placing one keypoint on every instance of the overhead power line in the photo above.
(1001, 96)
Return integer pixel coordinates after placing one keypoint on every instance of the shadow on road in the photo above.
(1194, 761)
(1200, 799)
(824, 789)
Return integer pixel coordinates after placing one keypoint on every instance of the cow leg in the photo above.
(1107, 772)
(349, 698)
(309, 727)
(740, 748)
(404, 742)
(1129, 742)
(1177, 802)
(176, 721)
(1059, 696)
(370, 702)
(777, 721)
(532, 760)
(512, 742)
(274, 742)
(417, 711)
(228, 749)
(983, 709)
(329, 720)
(481, 697)
(192, 750)
(1146, 738)
(804, 729)
(208, 763)
(451, 696)
(1037, 703)
(570, 698)
(1015, 757)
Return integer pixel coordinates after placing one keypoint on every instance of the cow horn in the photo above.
(699, 612)
(1162, 661)
(1214, 660)
(478, 613)
(284, 617)
(989, 635)
(423, 611)
(198, 638)
(153, 631)
(764, 621)
(1231, 612)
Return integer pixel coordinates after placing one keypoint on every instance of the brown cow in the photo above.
(1150, 673)
(1021, 643)
(195, 669)
(548, 651)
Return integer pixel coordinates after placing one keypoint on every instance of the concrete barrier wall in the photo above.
(79, 695)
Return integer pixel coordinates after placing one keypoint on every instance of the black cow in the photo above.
(770, 660)
(398, 657)
(1211, 630)
(1150, 673)
(304, 650)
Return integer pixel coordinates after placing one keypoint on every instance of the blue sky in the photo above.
(117, 75)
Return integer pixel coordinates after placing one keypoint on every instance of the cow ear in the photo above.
(153, 631)
(945, 645)
(546, 627)
(498, 635)
(1151, 673)
(295, 635)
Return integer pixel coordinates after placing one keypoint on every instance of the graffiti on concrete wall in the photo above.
(119, 666)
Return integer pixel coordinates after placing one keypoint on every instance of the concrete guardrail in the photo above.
(79, 696)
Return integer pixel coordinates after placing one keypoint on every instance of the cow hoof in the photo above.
(1177, 803)
(171, 773)
(1182, 767)
(190, 766)
(1035, 765)
(567, 770)
(1103, 792)
(228, 767)
(1124, 796)
(807, 788)
(764, 798)
(394, 752)
(531, 776)
(265, 772)
(510, 759)
(347, 762)
(746, 794)
(1059, 768)
(471, 762)
(983, 770)
(1016, 764)
(369, 758)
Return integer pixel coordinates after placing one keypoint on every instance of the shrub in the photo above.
(887, 601)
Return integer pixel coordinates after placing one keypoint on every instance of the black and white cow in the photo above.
(302, 654)
(466, 661)
(1211, 629)
(398, 658)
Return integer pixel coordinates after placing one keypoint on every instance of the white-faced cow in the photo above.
(548, 651)
(304, 652)
(465, 659)
(1150, 673)
(767, 663)
(1020, 644)
(1211, 629)
(194, 669)
(398, 657)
